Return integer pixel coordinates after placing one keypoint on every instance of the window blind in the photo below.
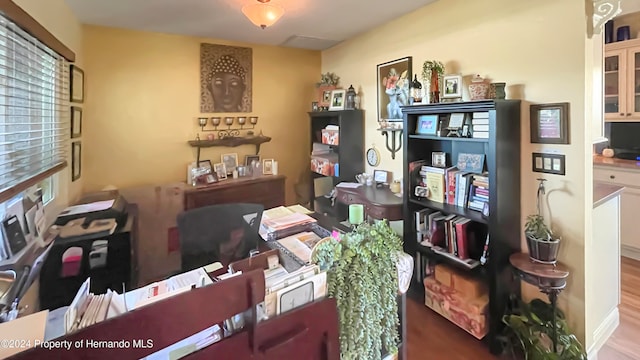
(34, 107)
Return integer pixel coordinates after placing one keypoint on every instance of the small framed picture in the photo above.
(267, 167)
(337, 99)
(439, 159)
(220, 170)
(76, 160)
(230, 162)
(76, 122)
(550, 123)
(381, 176)
(465, 131)
(427, 125)
(452, 85)
(314, 106)
(249, 160)
(76, 89)
(205, 164)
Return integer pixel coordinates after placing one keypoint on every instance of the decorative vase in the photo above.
(478, 88)
(435, 88)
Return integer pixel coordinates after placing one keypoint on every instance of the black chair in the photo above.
(224, 233)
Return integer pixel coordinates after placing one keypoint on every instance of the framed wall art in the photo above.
(223, 68)
(393, 88)
(76, 89)
(76, 160)
(550, 123)
(337, 99)
(452, 85)
(230, 162)
(76, 122)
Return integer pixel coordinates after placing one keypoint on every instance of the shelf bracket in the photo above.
(395, 146)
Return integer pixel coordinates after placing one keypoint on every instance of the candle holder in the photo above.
(231, 131)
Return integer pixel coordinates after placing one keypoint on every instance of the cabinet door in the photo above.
(629, 209)
(633, 84)
(615, 79)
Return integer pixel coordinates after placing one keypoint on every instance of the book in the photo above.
(479, 122)
(435, 183)
(461, 237)
(481, 115)
(480, 134)
(478, 127)
(450, 178)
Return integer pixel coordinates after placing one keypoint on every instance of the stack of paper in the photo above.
(285, 291)
(300, 245)
(283, 225)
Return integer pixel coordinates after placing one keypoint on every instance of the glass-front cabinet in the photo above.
(622, 81)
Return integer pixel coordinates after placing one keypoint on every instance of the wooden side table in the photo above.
(550, 280)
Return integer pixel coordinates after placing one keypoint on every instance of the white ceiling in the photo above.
(309, 24)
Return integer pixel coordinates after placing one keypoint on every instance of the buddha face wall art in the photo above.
(225, 78)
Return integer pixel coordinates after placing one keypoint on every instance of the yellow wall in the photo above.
(142, 104)
(59, 20)
(538, 49)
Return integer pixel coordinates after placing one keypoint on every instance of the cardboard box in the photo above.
(462, 282)
(468, 314)
(324, 165)
(330, 137)
(444, 275)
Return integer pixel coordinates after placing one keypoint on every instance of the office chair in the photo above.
(224, 233)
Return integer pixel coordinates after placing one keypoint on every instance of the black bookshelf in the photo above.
(502, 159)
(350, 150)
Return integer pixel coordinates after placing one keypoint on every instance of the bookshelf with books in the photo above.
(462, 202)
(337, 153)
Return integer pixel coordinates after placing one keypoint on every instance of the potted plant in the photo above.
(361, 277)
(542, 243)
(529, 332)
(432, 72)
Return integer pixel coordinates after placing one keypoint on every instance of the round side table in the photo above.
(550, 280)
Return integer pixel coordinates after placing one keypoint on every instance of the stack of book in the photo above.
(480, 125)
(478, 192)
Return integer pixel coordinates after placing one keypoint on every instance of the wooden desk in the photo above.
(380, 203)
(267, 190)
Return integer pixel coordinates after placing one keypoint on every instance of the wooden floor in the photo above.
(624, 344)
(432, 337)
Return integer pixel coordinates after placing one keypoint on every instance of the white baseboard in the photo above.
(630, 252)
(603, 332)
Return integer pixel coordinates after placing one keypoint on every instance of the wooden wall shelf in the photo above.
(230, 142)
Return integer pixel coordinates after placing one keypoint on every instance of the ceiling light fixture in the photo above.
(263, 13)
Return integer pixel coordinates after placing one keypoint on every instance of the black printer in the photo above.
(102, 205)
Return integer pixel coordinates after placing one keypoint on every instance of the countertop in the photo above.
(604, 192)
(599, 160)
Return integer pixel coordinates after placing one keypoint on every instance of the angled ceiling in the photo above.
(307, 24)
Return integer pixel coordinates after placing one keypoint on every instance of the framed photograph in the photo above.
(550, 123)
(427, 125)
(466, 132)
(337, 99)
(324, 96)
(267, 167)
(77, 84)
(314, 106)
(205, 164)
(230, 162)
(76, 122)
(452, 86)
(393, 88)
(76, 160)
(470, 162)
(220, 171)
(250, 159)
(439, 159)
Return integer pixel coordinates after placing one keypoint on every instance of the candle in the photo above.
(356, 214)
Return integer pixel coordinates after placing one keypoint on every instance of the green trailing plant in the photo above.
(362, 277)
(328, 79)
(536, 228)
(529, 334)
(432, 65)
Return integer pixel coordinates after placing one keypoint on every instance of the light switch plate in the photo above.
(548, 163)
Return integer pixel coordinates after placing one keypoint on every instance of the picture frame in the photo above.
(230, 161)
(451, 86)
(249, 159)
(550, 123)
(205, 164)
(471, 162)
(76, 160)
(314, 106)
(394, 78)
(427, 125)
(381, 176)
(76, 88)
(338, 98)
(220, 170)
(324, 96)
(76, 122)
(439, 159)
(267, 167)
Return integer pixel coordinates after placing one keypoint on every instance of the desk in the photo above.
(380, 203)
(267, 190)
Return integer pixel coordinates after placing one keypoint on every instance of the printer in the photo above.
(105, 205)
